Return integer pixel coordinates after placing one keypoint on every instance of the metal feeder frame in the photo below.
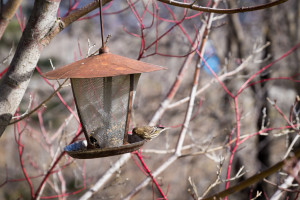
(99, 66)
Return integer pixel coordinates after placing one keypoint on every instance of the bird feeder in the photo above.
(104, 88)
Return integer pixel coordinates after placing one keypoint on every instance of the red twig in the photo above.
(20, 19)
(30, 177)
(64, 194)
(21, 151)
(193, 116)
(37, 193)
(220, 82)
(272, 79)
(282, 114)
(138, 165)
(60, 97)
(267, 66)
(236, 108)
(149, 173)
(3, 72)
(72, 7)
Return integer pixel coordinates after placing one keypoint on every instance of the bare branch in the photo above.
(222, 11)
(14, 83)
(39, 106)
(100, 183)
(252, 179)
(7, 12)
(221, 78)
(72, 17)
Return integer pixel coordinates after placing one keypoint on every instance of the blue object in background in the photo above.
(211, 58)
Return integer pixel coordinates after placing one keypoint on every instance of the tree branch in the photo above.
(252, 179)
(7, 12)
(222, 11)
(14, 83)
(42, 26)
(72, 17)
(40, 105)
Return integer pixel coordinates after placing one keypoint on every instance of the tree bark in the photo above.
(7, 12)
(14, 83)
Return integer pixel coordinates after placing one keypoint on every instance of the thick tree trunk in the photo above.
(14, 83)
(7, 12)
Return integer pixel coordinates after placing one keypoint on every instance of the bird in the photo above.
(94, 143)
(148, 132)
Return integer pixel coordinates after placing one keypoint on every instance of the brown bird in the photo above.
(148, 132)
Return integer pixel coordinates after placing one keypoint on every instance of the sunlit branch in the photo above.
(222, 11)
(252, 179)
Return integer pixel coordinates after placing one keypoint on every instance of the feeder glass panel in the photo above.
(102, 104)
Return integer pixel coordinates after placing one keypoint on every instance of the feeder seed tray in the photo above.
(79, 149)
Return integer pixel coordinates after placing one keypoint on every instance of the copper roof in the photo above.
(103, 65)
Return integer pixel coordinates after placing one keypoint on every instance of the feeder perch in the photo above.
(103, 87)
